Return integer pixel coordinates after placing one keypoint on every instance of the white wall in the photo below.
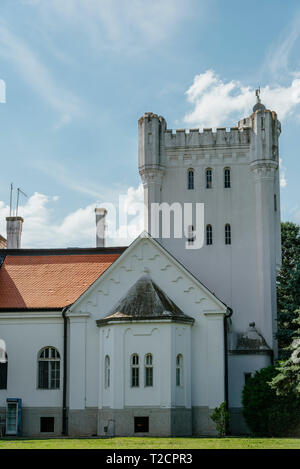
(25, 334)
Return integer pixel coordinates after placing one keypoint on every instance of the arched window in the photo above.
(227, 234)
(107, 371)
(179, 366)
(135, 370)
(148, 370)
(3, 369)
(208, 234)
(208, 175)
(191, 235)
(227, 178)
(49, 368)
(190, 181)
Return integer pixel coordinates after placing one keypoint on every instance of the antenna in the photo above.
(10, 198)
(18, 196)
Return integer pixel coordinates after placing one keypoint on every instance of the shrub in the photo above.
(220, 416)
(266, 413)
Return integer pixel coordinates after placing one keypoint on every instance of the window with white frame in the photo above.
(135, 370)
(190, 181)
(227, 182)
(148, 369)
(107, 371)
(49, 368)
(208, 235)
(179, 367)
(208, 175)
(227, 234)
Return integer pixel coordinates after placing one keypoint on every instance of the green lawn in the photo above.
(153, 443)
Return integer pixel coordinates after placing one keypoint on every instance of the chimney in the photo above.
(14, 232)
(100, 227)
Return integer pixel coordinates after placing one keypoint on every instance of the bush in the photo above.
(221, 418)
(266, 413)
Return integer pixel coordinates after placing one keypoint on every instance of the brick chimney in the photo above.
(100, 227)
(14, 232)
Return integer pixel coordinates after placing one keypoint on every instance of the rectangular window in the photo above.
(149, 376)
(247, 376)
(141, 424)
(275, 203)
(47, 424)
(135, 377)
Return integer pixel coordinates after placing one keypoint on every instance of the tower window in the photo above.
(179, 366)
(275, 203)
(107, 372)
(247, 376)
(227, 234)
(227, 182)
(208, 175)
(135, 371)
(208, 235)
(49, 368)
(148, 370)
(190, 179)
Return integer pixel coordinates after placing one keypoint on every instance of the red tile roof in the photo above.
(49, 281)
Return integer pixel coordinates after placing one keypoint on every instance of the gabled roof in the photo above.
(145, 301)
(46, 279)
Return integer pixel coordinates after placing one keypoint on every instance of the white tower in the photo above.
(236, 176)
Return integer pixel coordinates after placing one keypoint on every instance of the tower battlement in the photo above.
(206, 137)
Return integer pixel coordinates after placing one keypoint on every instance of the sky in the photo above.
(79, 73)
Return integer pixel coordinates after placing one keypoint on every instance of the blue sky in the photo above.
(79, 74)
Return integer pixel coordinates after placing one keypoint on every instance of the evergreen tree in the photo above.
(288, 379)
(288, 287)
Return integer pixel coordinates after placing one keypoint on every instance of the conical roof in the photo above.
(145, 301)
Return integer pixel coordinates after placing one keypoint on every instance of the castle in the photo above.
(149, 339)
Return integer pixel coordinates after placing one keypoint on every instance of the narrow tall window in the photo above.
(148, 370)
(208, 175)
(49, 368)
(135, 371)
(227, 182)
(107, 372)
(191, 235)
(227, 234)
(275, 203)
(208, 234)
(179, 365)
(190, 179)
(3, 369)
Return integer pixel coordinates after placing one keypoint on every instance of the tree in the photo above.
(288, 378)
(220, 416)
(266, 412)
(288, 286)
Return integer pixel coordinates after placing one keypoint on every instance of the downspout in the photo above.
(65, 372)
(226, 317)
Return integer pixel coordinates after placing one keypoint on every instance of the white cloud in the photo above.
(282, 170)
(277, 60)
(78, 228)
(219, 103)
(38, 77)
(113, 24)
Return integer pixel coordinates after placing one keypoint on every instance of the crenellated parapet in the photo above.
(196, 138)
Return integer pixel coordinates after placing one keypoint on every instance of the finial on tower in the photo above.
(258, 106)
(257, 93)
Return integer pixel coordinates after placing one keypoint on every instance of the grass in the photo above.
(152, 443)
